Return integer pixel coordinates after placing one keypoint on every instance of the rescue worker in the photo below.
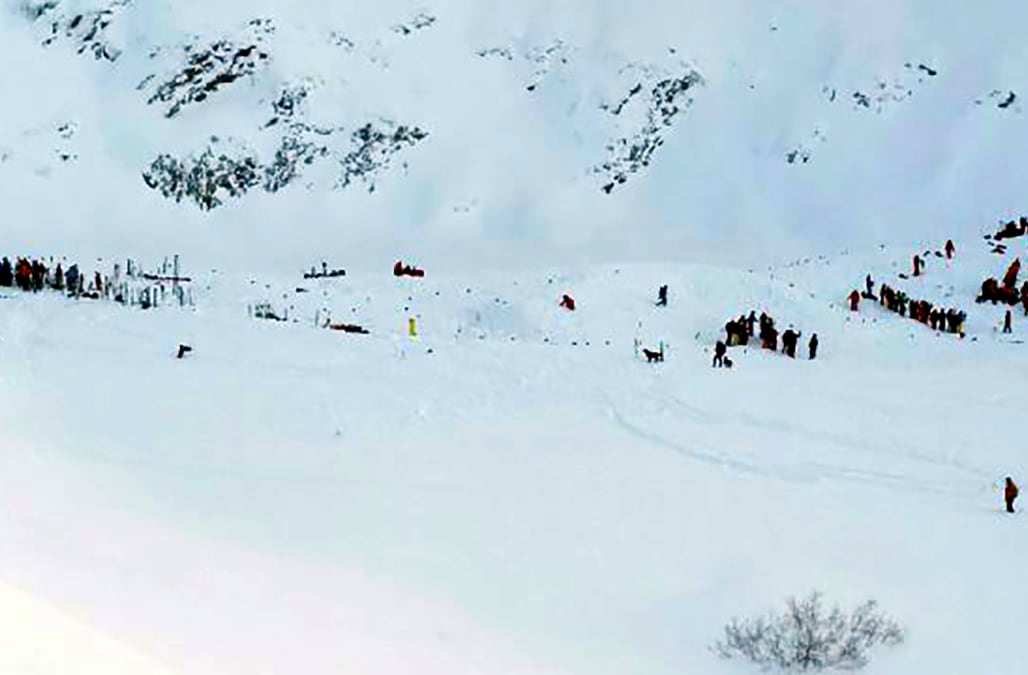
(1010, 493)
(72, 279)
(869, 285)
(789, 340)
(719, 354)
(662, 296)
(1010, 278)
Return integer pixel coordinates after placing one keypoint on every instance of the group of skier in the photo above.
(34, 275)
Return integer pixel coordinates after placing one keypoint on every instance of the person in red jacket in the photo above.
(567, 302)
(1010, 278)
(1010, 493)
(854, 301)
(23, 275)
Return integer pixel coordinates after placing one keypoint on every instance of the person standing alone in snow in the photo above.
(812, 346)
(1010, 493)
(719, 354)
(1008, 319)
(869, 288)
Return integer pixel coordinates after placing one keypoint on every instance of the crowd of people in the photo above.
(1012, 229)
(34, 275)
(945, 320)
(129, 287)
(1006, 292)
(739, 332)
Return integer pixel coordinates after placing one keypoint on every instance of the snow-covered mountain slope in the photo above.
(513, 491)
(722, 130)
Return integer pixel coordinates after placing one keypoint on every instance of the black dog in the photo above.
(652, 356)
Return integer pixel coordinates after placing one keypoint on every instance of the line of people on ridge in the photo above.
(738, 333)
(944, 320)
(33, 275)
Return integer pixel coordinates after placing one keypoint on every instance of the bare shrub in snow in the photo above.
(807, 636)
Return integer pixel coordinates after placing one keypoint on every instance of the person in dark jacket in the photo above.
(869, 288)
(789, 340)
(38, 275)
(72, 278)
(6, 273)
(1008, 320)
(1010, 493)
(662, 296)
(950, 249)
(719, 354)
(812, 346)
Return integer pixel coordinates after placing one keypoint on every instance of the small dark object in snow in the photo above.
(349, 328)
(1009, 100)
(653, 356)
(183, 350)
